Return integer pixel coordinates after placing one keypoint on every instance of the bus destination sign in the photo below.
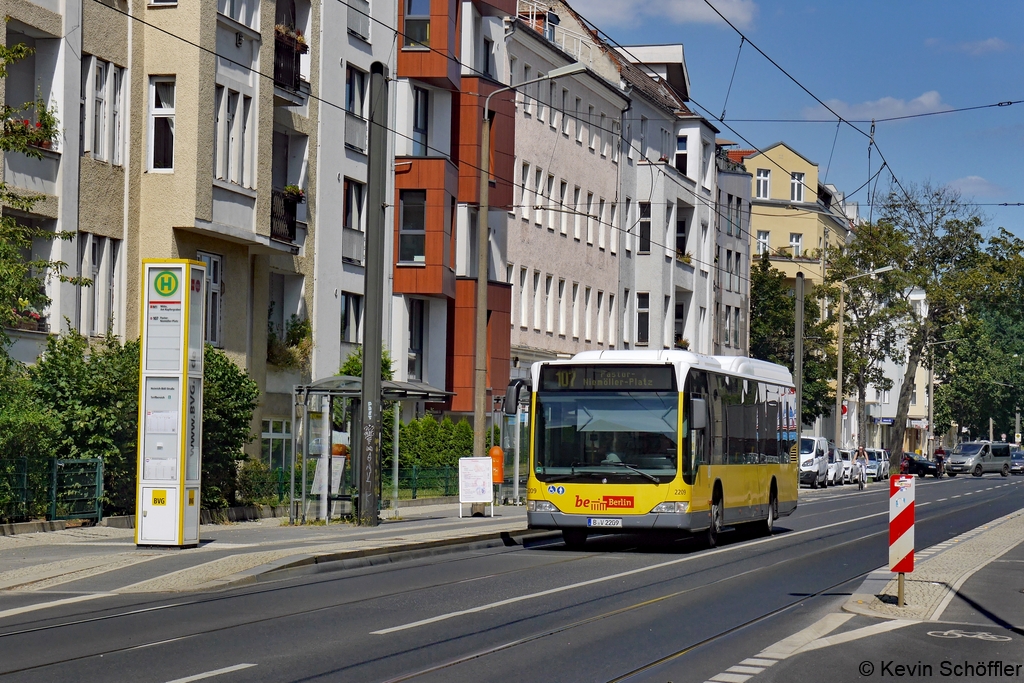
(607, 378)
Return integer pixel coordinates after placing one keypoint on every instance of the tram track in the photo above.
(962, 504)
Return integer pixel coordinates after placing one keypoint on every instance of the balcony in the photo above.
(353, 246)
(355, 132)
(289, 46)
(282, 217)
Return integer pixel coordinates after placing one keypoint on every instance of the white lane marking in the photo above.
(757, 661)
(211, 674)
(52, 603)
(738, 669)
(612, 577)
(856, 634)
(160, 642)
(729, 678)
(941, 499)
(787, 646)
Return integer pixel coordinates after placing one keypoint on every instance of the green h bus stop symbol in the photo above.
(166, 283)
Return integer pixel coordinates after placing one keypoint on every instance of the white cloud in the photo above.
(975, 48)
(976, 186)
(884, 108)
(607, 13)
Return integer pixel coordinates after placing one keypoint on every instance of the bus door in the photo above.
(696, 438)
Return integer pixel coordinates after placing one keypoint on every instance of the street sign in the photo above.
(171, 409)
(901, 523)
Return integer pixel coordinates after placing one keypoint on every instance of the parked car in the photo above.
(921, 466)
(814, 461)
(847, 457)
(979, 457)
(878, 464)
(835, 467)
(1017, 462)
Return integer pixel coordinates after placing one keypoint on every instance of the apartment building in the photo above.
(795, 216)
(564, 231)
(732, 256)
(451, 56)
(205, 132)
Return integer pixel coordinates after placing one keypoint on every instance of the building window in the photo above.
(600, 317)
(576, 213)
(100, 263)
(616, 142)
(351, 317)
(592, 138)
(420, 116)
(536, 300)
(763, 178)
(487, 58)
(600, 224)
(613, 231)
(681, 154)
(762, 241)
(538, 188)
(913, 395)
(590, 218)
(527, 105)
(575, 310)
(796, 241)
(416, 325)
(627, 219)
(214, 283)
(612, 322)
(563, 189)
(561, 307)
(552, 92)
(523, 299)
(353, 204)
(417, 23)
(99, 112)
(680, 237)
(643, 137)
(586, 314)
(539, 86)
(736, 327)
(549, 309)
(552, 214)
(355, 90)
(525, 198)
(233, 156)
(565, 111)
(645, 229)
(413, 226)
(728, 270)
(796, 187)
(728, 326)
(579, 121)
(643, 318)
(101, 120)
(161, 124)
(277, 443)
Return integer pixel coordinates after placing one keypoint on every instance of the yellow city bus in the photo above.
(651, 441)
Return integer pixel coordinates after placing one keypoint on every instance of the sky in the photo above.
(871, 59)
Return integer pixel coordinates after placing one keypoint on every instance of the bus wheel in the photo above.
(716, 520)
(773, 513)
(574, 539)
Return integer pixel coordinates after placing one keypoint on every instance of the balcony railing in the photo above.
(355, 132)
(286, 61)
(353, 246)
(282, 217)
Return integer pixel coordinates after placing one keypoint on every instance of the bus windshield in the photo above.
(612, 436)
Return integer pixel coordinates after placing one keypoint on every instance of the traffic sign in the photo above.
(901, 523)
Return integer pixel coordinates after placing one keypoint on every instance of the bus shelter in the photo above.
(326, 443)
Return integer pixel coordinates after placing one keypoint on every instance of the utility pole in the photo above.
(798, 358)
(373, 332)
(839, 372)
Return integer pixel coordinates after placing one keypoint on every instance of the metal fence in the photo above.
(422, 482)
(76, 489)
(14, 490)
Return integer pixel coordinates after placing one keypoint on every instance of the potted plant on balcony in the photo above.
(28, 317)
(291, 36)
(294, 193)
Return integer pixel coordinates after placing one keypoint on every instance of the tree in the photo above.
(773, 319)
(27, 129)
(944, 249)
(875, 308)
(230, 396)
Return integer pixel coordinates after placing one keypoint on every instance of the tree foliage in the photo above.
(773, 320)
(230, 396)
(27, 129)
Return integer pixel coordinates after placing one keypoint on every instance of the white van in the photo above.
(814, 461)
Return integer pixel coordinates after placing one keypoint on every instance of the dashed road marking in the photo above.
(211, 674)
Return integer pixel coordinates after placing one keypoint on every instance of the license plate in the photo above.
(591, 521)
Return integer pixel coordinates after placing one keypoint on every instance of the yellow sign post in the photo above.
(170, 403)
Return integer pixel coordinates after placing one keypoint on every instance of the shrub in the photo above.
(229, 399)
(257, 483)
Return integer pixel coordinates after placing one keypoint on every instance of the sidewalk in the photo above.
(94, 559)
(943, 574)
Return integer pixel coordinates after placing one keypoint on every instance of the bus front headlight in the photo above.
(680, 508)
(540, 506)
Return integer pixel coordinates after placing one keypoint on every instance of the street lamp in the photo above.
(839, 368)
(480, 355)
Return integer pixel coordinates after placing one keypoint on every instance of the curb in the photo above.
(31, 527)
(302, 565)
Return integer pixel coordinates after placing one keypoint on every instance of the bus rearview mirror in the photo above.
(698, 413)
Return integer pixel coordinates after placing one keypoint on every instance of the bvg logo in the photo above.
(166, 283)
(605, 503)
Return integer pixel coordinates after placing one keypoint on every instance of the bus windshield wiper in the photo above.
(638, 471)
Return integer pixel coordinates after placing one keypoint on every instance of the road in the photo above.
(619, 610)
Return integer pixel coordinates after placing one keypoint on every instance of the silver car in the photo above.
(979, 457)
(847, 458)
